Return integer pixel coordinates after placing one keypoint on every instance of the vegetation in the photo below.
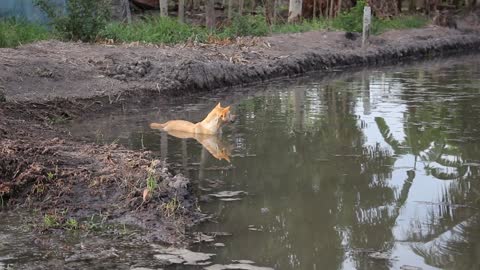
(90, 20)
(83, 19)
(14, 32)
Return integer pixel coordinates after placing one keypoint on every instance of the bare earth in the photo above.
(49, 81)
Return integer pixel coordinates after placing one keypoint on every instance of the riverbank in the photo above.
(49, 83)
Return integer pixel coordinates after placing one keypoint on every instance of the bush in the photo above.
(352, 20)
(14, 32)
(83, 19)
(153, 30)
(247, 25)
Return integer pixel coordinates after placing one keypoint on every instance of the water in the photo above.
(336, 167)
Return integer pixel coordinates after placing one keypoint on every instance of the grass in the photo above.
(400, 22)
(15, 32)
(161, 30)
(153, 30)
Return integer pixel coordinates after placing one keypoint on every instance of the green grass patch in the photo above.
(400, 22)
(304, 26)
(153, 30)
(15, 32)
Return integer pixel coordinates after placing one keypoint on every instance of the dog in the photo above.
(211, 125)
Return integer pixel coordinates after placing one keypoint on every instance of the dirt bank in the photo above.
(48, 83)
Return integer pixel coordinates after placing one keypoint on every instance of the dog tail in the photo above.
(157, 125)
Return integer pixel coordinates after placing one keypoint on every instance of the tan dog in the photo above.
(212, 124)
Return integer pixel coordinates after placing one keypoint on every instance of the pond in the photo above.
(372, 169)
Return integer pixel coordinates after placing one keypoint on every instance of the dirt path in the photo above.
(46, 83)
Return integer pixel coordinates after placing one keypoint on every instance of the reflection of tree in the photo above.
(452, 238)
(309, 148)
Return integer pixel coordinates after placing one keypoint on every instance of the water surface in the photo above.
(336, 167)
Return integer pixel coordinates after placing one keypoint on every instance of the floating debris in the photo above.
(243, 261)
(183, 256)
(230, 199)
(228, 194)
(238, 266)
(201, 237)
(410, 267)
(379, 255)
(255, 229)
(219, 245)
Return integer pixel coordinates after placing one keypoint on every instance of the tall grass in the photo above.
(15, 32)
(153, 30)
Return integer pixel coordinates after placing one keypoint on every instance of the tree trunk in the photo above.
(332, 8)
(294, 10)
(240, 7)
(210, 14)
(412, 6)
(229, 12)
(314, 14)
(269, 11)
(126, 10)
(275, 11)
(196, 4)
(181, 10)
(339, 8)
(163, 8)
(399, 6)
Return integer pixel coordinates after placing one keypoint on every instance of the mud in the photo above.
(48, 83)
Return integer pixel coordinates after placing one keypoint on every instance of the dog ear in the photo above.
(226, 109)
(219, 106)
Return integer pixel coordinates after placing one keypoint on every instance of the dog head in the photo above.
(224, 112)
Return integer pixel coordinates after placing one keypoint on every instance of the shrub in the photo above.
(352, 20)
(82, 19)
(15, 32)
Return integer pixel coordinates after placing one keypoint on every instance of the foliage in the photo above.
(247, 25)
(351, 20)
(153, 30)
(83, 19)
(14, 32)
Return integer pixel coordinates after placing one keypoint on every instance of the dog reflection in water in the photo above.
(205, 132)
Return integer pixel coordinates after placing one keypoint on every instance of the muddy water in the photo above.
(376, 169)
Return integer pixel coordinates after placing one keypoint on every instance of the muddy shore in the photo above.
(48, 83)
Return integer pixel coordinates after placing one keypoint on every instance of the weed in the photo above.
(15, 32)
(151, 183)
(51, 221)
(57, 120)
(170, 208)
(50, 176)
(72, 224)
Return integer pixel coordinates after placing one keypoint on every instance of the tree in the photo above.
(181, 10)
(210, 15)
(240, 7)
(163, 8)
(230, 10)
(294, 10)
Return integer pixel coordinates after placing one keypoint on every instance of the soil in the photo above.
(46, 83)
